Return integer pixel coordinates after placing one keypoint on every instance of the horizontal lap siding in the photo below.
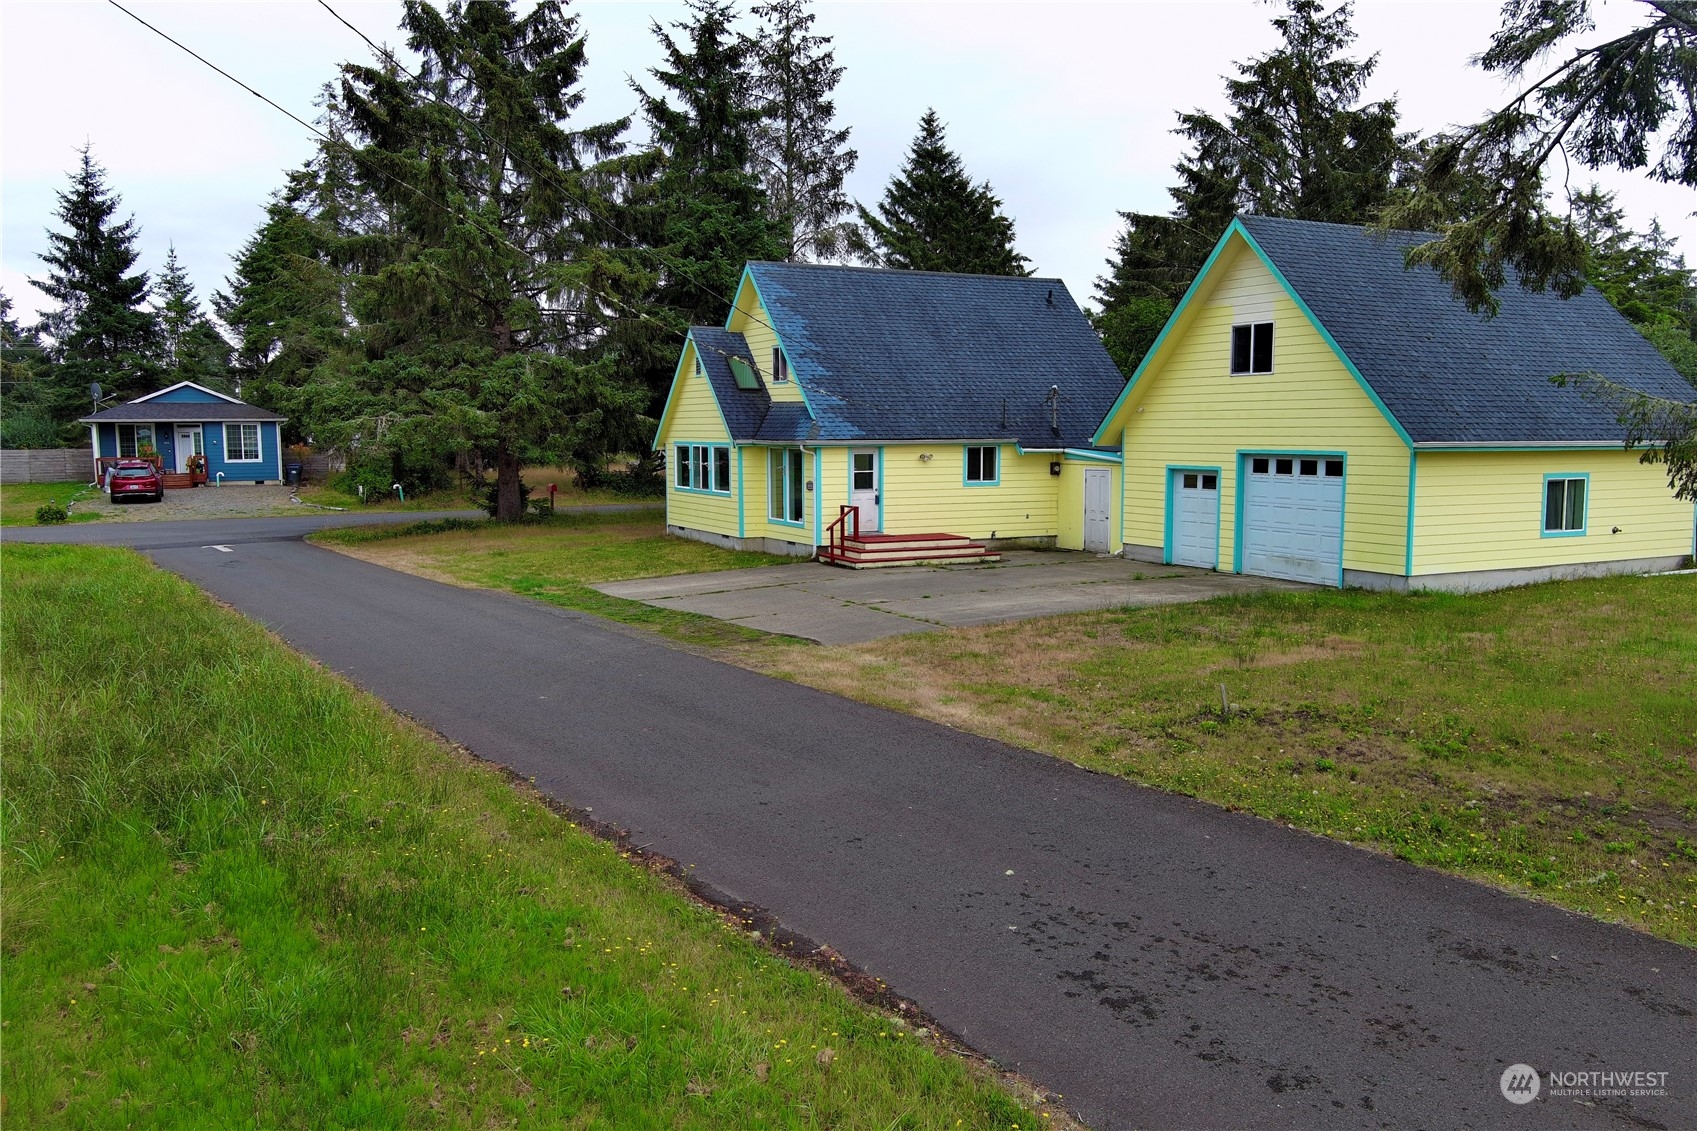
(749, 318)
(1461, 524)
(1194, 413)
(695, 419)
(929, 497)
(757, 523)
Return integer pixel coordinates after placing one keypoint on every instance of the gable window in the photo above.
(241, 443)
(1252, 348)
(1564, 504)
(131, 437)
(785, 485)
(780, 365)
(703, 467)
(982, 466)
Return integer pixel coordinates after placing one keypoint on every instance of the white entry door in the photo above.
(1196, 518)
(864, 491)
(1293, 518)
(189, 443)
(1098, 486)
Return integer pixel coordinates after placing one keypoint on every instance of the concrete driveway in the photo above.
(844, 606)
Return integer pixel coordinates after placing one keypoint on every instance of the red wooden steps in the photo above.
(875, 551)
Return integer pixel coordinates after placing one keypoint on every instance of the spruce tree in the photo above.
(102, 331)
(190, 346)
(803, 158)
(1297, 143)
(712, 215)
(934, 218)
(477, 303)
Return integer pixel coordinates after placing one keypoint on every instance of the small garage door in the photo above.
(1293, 518)
(1196, 518)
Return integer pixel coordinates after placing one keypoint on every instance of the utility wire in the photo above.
(540, 174)
(358, 156)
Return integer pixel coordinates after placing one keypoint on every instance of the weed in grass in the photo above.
(239, 892)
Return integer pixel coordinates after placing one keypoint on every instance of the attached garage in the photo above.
(1292, 516)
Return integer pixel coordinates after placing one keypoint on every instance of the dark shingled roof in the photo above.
(1450, 376)
(899, 355)
(744, 409)
(186, 412)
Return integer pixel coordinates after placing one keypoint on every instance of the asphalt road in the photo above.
(1160, 962)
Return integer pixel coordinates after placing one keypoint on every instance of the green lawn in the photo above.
(237, 892)
(458, 496)
(557, 559)
(18, 501)
(1541, 739)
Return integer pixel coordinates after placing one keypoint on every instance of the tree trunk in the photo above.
(509, 504)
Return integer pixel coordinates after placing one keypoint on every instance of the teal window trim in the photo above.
(1167, 520)
(712, 458)
(964, 457)
(1544, 502)
(779, 520)
(1239, 504)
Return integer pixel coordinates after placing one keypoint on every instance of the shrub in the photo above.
(51, 514)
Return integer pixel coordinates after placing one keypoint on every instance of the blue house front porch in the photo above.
(193, 434)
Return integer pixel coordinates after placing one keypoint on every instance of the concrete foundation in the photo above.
(1154, 555)
(763, 545)
(1484, 580)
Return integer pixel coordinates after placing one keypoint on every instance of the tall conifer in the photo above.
(802, 157)
(102, 330)
(934, 218)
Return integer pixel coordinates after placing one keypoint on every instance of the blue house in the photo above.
(240, 442)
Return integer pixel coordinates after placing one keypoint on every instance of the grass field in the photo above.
(239, 893)
(556, 560)
(1541, 739)
(18, 501)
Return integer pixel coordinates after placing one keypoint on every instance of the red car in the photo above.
(132, 478)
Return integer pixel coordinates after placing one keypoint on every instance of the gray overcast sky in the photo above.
(1067, 109)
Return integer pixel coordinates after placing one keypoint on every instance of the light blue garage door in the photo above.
(1196, 518)
(1293, 518)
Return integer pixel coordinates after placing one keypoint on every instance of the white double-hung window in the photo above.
(241, 443)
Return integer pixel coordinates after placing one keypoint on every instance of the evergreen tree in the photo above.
(711, 214)
(190, 346)
(475, 310)
(934, 218)
(802, 156)
(1296, 143)
(27, 399)
(102, 331)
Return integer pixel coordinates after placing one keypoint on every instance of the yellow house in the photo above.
(879, 417)
(1314, 411)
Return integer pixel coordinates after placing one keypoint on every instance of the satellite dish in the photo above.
(94, 390)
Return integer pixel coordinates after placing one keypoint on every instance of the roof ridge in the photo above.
(1365, 229)
(904, 271)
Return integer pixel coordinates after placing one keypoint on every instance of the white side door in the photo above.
(189, 443)
(1196, 518)
(1098, 486)
(864, 491)
(1293, 518)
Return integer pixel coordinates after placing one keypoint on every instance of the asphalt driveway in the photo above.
(1163, 963)
(843, 606)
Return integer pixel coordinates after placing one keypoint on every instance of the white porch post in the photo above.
(94, 448)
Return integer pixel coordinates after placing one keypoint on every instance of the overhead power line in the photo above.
(541, 174)
(354, 152)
